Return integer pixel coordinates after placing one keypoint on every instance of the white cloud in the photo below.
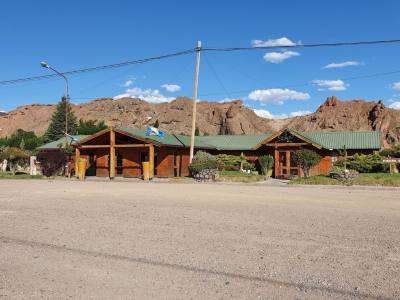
(149, 95)
(171, 87)
(128, 83)
(343, 64)
(300, 113)
(278, 57)
(395, 105)
(331, 85)
(283, 41)
(277, 96)
(396, 86)
(266, 114)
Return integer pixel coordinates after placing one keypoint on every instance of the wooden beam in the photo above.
(116, 146)
(132, 145)
(276, 167)
(151, 160)
(94, 146)
(286, 144)
(112, 153)
(77, 157)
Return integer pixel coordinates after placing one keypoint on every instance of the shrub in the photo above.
(305, 159)
(266, 162)
(248, 165)
(391, 152)
(15, 157)
(362, 163)
(228, 162)
(201, 161)
(52, 163)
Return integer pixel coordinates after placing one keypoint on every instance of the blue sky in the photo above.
(277, 83)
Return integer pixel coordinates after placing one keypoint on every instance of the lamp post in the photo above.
(47, 66)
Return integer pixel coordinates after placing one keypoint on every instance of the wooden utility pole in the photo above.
(196, 84)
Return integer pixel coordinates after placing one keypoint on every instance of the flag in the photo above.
(154, 131)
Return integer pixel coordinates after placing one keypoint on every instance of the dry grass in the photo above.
(383, 179)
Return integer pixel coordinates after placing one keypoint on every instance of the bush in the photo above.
(371, 163)
(201, 161)
(391, 152)
(228, 162)
(248, 166)
(266, 162)
(52, 163)
(15, 157)
(305, 159)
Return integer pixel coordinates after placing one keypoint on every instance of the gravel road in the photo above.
(129, 240)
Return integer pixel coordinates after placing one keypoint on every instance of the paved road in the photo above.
(124, 240)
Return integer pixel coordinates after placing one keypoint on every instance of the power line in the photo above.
(185, 52)
(98, 68)
(300, 45)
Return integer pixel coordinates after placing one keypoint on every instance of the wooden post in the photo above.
(77, 157)
(276, 161)
(151, 160)
(112, 153)
(288, 163)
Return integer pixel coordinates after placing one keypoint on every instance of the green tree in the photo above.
(266, 162)
(392, 152)
(90, 127)
(197, 131)
(56, 128)
(26, 140)
(156, 124)
(305, 159)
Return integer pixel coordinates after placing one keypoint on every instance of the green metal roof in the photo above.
(233, 142)
(60, 143)
(169, 139)
(350, 139)
(327, 140)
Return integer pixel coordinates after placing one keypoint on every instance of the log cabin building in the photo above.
(116, 152)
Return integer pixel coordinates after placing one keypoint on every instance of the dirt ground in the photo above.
(130, 240)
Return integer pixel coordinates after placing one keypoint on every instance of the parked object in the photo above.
(146, 170)
(82, 168)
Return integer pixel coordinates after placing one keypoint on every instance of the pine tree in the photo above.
(22, 144)
(156, 124)
(197, 131)
(56, 128)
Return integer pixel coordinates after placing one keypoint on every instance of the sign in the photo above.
(390, 160)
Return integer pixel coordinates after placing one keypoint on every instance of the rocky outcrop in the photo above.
(213, 118)
(354, 115)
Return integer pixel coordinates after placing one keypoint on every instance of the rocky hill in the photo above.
(213, 118)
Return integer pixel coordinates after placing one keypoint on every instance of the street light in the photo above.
(47, 66)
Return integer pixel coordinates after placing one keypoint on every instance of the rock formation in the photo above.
(213, 118)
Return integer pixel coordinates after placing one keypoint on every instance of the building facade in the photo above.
(117, 152)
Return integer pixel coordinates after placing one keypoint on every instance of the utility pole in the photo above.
(196, 84)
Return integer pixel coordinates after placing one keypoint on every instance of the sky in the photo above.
(276, 83)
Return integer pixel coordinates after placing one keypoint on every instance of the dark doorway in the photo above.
(120, 164)
(91, 170)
